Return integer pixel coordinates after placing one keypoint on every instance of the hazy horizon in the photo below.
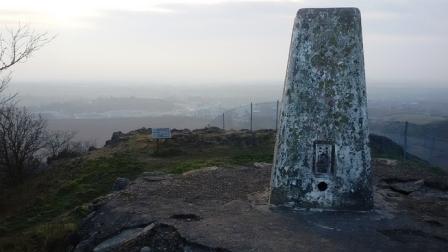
(223, 41)
(229, 95)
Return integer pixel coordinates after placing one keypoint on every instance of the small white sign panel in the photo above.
(161, 133)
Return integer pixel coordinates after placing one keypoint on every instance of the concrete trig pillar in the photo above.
(322, 158)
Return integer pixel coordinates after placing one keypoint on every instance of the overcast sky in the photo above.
(218, 41)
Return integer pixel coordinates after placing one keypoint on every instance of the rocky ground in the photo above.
(226, 209)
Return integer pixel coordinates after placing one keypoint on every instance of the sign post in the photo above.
(160, 133)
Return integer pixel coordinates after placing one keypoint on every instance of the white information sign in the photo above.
(161, 133)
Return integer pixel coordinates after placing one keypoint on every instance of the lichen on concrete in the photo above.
(324, 101)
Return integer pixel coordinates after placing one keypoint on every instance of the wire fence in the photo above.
(413, 138)
(253, 116)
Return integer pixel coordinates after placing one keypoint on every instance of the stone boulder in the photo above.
(120, 184)
(116, 138)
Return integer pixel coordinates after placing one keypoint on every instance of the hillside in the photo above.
(429, 141)
(438, 129)
(45, 213)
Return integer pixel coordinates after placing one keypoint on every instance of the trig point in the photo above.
(322, 158)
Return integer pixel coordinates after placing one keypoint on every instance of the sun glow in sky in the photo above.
(64, 12)
(197, 41)
(69, 13)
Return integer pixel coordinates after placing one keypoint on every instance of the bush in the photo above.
(21, 138)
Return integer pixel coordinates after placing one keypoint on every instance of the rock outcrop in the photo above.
(226, 209)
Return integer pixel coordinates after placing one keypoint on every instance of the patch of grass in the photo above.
(51, 204)
(249, 157)
(383, 147)
(222, 156)
(168, 152)
(420, 168)
(44, 237)
(72, 188)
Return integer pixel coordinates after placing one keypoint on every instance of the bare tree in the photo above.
(16, 46)
(58, 141)
(21, 132)
(21, 137)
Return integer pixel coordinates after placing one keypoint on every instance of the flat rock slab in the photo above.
(225, 209)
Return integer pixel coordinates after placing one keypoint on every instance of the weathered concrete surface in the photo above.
(225, 209)
(322, 158)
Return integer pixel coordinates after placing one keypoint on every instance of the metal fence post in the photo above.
(431, 149)
(276, 117)
(405, 145)
(251, 111)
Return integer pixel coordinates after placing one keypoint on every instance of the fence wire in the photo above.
(263, 116)
(255, 116)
